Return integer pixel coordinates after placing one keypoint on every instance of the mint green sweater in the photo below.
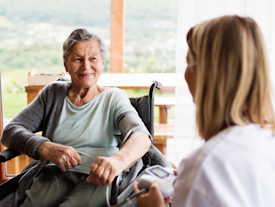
(90, 128)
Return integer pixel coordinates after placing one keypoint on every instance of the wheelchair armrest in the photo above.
(8, 155)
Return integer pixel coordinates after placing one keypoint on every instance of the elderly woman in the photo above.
(78, 155)
(228, 77)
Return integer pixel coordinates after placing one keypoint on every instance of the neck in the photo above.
(81, 96)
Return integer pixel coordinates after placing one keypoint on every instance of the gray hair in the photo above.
(83, 35)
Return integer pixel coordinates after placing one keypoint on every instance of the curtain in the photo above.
(191, 12)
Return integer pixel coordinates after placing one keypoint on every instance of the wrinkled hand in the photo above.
(153, 197)
(64, 157)
(104, 170)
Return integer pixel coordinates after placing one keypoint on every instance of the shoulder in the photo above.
(225, 160)
(65, 85)
(56, 88)
(115, 91)
(115, 94)
(240, 138)
(54, 91)
(244, 141)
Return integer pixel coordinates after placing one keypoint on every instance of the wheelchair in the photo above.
(121, 187)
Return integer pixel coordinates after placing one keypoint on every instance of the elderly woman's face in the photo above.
(84, 64)
(191, 73)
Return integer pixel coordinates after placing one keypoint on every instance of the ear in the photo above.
(102, 66)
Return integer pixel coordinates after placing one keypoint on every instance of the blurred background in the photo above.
(32, 33)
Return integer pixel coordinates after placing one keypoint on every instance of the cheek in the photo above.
(188, 74)
(191, 79)
(72, 66)
(99, 65)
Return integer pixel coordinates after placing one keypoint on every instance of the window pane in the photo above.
(150, 36)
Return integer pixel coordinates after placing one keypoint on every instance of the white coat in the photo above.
(234, 168)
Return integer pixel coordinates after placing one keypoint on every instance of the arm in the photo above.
(136, 142)
(19, 133)
(105, 169)
(137, 145)
(40, 115)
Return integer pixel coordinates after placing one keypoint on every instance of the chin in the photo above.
(86, 84)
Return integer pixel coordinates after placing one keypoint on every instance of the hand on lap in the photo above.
(64, 157)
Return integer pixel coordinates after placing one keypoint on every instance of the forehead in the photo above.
(90, 47)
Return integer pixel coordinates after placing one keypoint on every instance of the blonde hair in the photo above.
(233, 84)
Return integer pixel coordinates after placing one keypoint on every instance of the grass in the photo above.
(142, 92)
(14, 97)
(13, 103)
(8, 77)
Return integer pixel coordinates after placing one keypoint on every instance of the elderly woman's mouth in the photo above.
(86, 74)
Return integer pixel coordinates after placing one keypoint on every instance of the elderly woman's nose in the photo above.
(86, 64)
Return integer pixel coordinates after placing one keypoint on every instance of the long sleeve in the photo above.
(40, 115)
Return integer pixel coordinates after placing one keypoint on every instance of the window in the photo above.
(150, 36)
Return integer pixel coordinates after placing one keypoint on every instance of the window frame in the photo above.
(3, 176)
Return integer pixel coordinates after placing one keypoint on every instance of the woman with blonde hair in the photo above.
(228, 77)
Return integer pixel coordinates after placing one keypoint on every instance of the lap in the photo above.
(52, 187)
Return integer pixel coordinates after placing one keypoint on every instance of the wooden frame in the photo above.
(117, 36)
(3, 177)
(2, 167)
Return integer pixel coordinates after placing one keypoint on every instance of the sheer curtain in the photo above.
(189, 14)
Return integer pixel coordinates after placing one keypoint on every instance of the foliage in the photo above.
(86, 13)
(61, 12)
(33, 37)
(16, 88)
(44, 57)
(148, 64)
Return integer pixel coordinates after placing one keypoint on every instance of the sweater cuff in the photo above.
(32, 145)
